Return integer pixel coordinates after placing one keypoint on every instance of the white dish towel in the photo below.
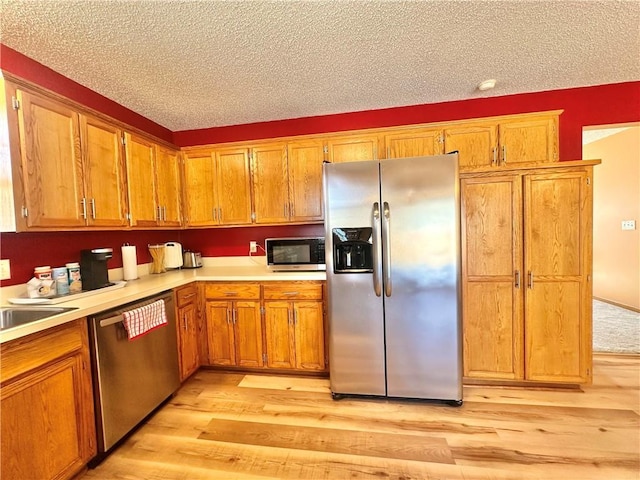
(142, 320)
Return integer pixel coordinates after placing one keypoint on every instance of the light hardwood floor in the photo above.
(233, 426)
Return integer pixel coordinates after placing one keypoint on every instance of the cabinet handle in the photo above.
(517, 278)
(228, 320)
(220, 214)
(189, 296)
(295, 316)
(504, 155)
(234, 315)
(292, 210)
(495, 156)
(231, 293)
(164, 213)
(184, 320)
(158, 213)
(214, 214)
(530, 279)
(289, 316)
(290, 293)
(93, 208)
(84, 207)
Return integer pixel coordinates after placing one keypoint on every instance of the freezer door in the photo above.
(356, 339)
(421, 279)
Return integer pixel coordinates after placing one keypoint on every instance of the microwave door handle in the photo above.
(377, 252)
(386, 248)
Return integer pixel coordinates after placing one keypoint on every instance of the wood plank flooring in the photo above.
(233, 426)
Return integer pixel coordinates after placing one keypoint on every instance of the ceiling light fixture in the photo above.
(487, 85)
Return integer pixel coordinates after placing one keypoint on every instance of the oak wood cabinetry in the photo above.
(304, 161)
(413, 143)
(294, 325)
(153, 182)
(187, 324)
(234, 324)
(352, 148)
(217, 187)
(527, 262)
(47, 423)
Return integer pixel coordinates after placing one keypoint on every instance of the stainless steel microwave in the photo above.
(303, 253)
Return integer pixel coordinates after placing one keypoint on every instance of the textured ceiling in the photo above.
(197, 64)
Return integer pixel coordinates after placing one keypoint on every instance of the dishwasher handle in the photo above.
(111, 320)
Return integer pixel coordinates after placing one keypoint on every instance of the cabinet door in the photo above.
(305, 180)
(353, 148)
(188, 340)
(199, 177)
(168, 186)
(143, 205)
(529, 141)
(41, 422)
(51, 162)
(278, 333)
(492, 277)
(476, 144)
(309, 335)
(558, 262)
(233, 187)
(270, 183)
(220, 333)
(248, 334)
(413, 143)
(104, 173)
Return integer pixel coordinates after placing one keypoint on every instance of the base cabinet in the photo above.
(187, 324)
(46, 404)
(527, 262)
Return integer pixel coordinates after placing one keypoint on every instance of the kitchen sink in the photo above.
(14, 316)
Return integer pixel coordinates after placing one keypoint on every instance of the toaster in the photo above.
(172, 255)
(192, 259)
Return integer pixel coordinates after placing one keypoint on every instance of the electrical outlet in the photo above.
(253, 247)
(5, 269)
(628, 224)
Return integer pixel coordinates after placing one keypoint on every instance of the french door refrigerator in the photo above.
(392, 239)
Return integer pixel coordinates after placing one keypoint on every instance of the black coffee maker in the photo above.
(93, 268)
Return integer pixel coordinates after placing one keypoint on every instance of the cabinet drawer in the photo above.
(186, 295)
(232, 290)
(293, 291)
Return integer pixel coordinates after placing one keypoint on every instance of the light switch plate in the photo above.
(5, 269)
(628, 224)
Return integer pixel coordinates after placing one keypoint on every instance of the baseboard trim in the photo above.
(616, 304)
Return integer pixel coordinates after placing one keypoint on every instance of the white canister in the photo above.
(61, 280)
(75, 281)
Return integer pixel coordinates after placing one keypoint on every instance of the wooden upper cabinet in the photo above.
(413, 143)
(270, 183)
(168, 186)
(104, 173)
(50, 163)
(352, 148)
(476, 144)
(199, 201)
(232, 186)
(305, 180)
(143, 205)
(528, 140)
(492, 277)
(558, 260)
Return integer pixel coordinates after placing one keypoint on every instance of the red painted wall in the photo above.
(600, 105)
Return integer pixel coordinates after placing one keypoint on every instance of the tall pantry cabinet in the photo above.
(526, 270)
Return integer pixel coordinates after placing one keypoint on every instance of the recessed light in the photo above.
(487, 85)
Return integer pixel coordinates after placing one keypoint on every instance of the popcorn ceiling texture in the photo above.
(197, 64)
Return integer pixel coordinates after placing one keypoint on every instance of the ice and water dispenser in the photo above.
(352, 250)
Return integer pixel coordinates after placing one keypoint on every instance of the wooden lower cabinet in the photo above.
(46, 402)
(187, 325)
(526, 274)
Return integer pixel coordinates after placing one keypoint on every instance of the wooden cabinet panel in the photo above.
(270, 183)
(476, 144)
(292, 291)
(199, 177)
(413, 143)
(168, 186)
(143, 207)
(278, 334)
(529, 140)
(233, 187)
(352, 148)
(220, 335)
(51, 162)
(187, 324)
(305, 180)
(240, 290)
(309, 335)
(248, 333)
(104, 173)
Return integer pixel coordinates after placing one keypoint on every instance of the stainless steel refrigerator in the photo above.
(392, 239)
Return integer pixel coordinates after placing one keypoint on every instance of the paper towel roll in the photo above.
(129, 262)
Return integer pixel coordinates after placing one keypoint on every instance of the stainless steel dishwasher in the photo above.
(131, 378)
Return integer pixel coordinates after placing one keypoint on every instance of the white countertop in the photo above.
(146, 285)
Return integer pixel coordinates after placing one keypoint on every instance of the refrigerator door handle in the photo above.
(377, 252)
(386, 250)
